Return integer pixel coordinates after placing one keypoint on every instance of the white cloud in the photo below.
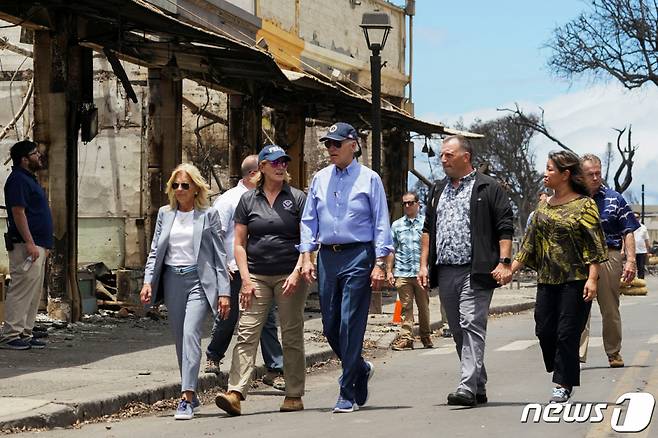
(584, 120)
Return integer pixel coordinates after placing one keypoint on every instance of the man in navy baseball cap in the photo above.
(340, 131)
(272, 152)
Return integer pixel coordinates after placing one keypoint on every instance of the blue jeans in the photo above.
(344, 290)
(222, 331)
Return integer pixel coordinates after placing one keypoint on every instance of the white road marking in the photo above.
(653, 340)
(518, 345)
(440, 350)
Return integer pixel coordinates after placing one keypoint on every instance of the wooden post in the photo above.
(395, 169)
(70, 85)
(164, 140)
(290, 130)
(41, 132)
(245, 127)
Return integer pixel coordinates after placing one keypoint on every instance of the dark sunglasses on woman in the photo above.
(184, 186)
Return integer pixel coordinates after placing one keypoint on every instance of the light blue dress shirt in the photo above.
(346, 206)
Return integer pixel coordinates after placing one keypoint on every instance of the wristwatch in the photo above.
(381, 265)
(505, 260)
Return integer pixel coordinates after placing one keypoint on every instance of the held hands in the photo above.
(224, 307)
(247, 293)
(589, 292)
(145, 294)
(502, 274)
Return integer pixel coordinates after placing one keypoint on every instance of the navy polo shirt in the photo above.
(272, 232)
(617, 218)
(23, 190)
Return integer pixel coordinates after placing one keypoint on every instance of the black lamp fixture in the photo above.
(425, 150)
(376, 27)
(431, 153)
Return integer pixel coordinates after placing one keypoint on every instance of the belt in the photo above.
(182, 270)
(338, 247)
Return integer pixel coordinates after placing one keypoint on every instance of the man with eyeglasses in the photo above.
(402, 271)
(346, 217)
(618, 224)
(28, 238)
(222, 329)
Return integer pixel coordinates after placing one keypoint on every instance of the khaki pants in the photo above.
(23, 294)
(408, 289)
(608, 298)
(291, 317)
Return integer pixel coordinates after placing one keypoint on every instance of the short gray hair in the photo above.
(463, 143)
(590, 157)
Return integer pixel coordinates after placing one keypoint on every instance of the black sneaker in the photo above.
(35, 343)
(15, 344)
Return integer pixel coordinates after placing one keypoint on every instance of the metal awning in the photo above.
(141, 33)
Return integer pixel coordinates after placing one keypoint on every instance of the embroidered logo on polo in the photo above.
(287, 204)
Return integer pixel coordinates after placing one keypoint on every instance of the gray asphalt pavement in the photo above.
(408, 391)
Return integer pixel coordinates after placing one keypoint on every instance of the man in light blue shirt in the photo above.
(346, 217)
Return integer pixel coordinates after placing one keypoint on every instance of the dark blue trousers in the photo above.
(344, 290)
(222, 331)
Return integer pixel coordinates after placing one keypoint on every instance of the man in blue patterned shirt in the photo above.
(618, 224)
(465, 250)
(406, 233)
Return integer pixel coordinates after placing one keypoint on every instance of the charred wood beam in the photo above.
(205, 113)
(5, 44)
(121, 74)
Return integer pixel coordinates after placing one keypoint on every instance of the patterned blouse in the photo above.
(453, 223)
(563, 240)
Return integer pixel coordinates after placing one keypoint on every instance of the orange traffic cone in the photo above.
(397, 313)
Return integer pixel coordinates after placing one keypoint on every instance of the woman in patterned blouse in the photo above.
(564, 244)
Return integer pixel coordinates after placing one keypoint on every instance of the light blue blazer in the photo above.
(208, 248)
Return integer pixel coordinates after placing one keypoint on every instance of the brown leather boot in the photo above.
(427, 341)
(615, 361)
(229, 402)
(292, 404)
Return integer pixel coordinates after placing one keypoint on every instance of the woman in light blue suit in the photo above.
(187, 268)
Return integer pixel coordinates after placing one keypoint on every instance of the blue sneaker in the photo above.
(196, 403)
(15, 344)
(184, 410)
(361, 393)
(345, 406)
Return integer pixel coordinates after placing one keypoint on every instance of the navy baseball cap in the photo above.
(341, 131)
(272, 152)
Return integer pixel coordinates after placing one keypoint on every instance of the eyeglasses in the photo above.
(184, 186)
(335, 143)
(280, 162)
(408, 203)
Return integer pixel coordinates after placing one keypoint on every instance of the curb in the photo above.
(54, 415)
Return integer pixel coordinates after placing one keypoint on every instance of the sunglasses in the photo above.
(408, 203)
(280, 162)
(184, 186)
(335, 143)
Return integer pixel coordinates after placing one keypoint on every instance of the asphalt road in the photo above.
(408, 392)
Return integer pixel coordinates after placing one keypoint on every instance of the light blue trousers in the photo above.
(187, 309)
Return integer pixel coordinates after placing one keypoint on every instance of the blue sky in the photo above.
(483, 53)
(474, 56)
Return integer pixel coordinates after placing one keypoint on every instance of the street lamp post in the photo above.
(376, 27)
